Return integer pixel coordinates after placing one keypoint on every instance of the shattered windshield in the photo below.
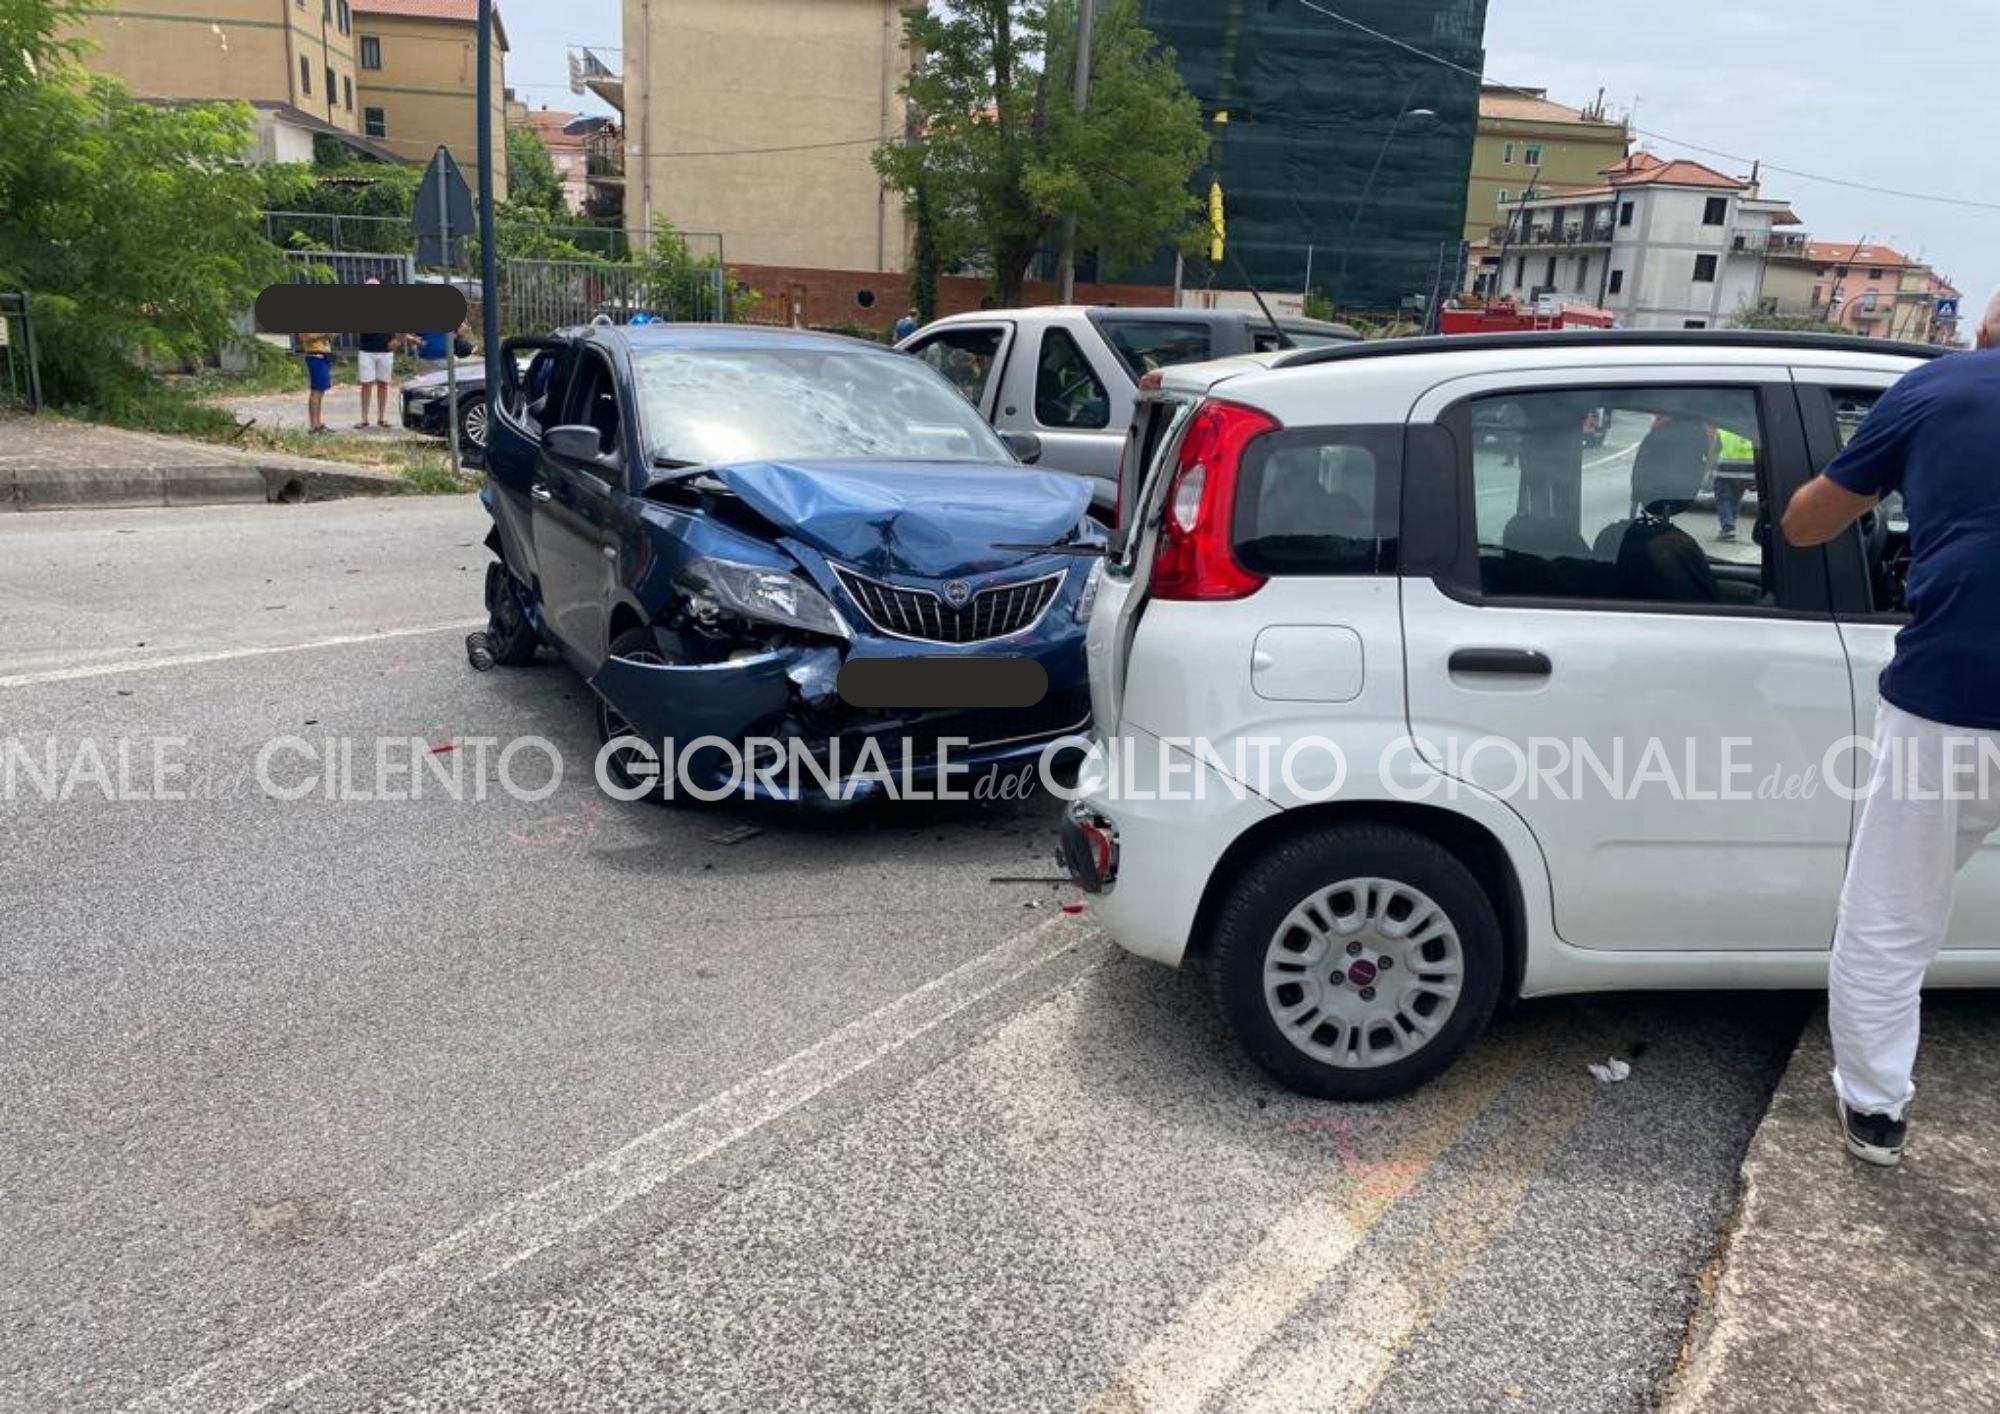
(709, 407)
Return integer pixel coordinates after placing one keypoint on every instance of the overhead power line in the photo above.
(1802, 175)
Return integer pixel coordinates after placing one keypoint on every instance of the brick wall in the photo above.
(835, 297)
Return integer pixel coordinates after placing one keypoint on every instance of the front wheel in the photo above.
(473, 426)
(510, 638)
(1355, 962)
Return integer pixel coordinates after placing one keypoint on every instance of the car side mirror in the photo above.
(1027, 446)
(577, 442)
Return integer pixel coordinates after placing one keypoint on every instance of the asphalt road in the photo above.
(446, 1104)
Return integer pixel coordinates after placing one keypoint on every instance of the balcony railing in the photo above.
(1781, 244)
(1599, 234)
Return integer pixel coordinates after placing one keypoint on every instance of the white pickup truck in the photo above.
(1067, 373)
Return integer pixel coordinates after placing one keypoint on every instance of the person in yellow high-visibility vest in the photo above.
(1735, 474)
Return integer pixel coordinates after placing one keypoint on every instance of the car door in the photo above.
(1867, 566)
(574, 500)
(1657, 706)
(513, 461)
(972, 357)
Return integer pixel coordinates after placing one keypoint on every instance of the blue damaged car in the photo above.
(714, 523)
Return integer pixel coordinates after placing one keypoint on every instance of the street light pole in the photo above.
(1368, 190)
(1066, 271)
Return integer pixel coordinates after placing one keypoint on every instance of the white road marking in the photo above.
(286, 1359)
(226, 655)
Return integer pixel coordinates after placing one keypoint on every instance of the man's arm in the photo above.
(1822, 510)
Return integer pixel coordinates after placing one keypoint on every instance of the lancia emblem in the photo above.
(957, 592)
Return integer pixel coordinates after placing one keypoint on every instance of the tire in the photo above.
(644, 646)
(510, 638)
(473, 427)
(1324, 904)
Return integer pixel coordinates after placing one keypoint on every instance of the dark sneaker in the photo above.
(1873, 1139)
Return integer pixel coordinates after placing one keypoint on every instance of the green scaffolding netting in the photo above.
(1312, 104)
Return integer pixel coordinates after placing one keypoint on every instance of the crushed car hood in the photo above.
(924, 518)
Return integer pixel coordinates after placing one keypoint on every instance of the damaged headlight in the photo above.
(717, 587)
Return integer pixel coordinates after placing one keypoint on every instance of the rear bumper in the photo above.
(1165, 850)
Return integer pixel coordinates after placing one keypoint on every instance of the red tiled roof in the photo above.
(1644, 169)
(464, 11)
(1852, 253)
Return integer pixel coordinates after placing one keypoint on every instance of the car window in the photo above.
(1143, 345)
(1642, 495)
(718, 406)
(593, 402)
(1885, 542)
(966, 358)
(1319, 501)
(1068, 392)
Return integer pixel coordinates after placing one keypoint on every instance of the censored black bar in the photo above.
(901, 684)
(360, 309)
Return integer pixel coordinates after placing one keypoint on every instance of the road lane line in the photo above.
(1200, 1353)
(228, 655)
(286, 1359)
(1394, 1290)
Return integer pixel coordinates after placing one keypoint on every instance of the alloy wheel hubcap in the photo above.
(475, 424)
(1363, 973)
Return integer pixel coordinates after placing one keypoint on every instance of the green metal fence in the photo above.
(20, 370)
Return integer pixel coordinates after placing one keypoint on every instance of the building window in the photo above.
(1716, 212)
(326, 10)
(347, 93)
(1819, 294)
(305, 76)
(1704, 269)
(1520, 271)
(1507, 154)
(1549, 276)
(1582, 274)
(374, 122)
(1625, 213)
(1874, 274)
(1694, 324)
(1532, 154)
(1617, 286)
(332, 85)
(346, 17)
(371, 52)
(1505, 196)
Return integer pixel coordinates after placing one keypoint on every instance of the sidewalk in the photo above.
(51, 463)
(1850, 1288)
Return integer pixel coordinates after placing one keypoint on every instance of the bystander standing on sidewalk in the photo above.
(378, 368)
(318, 352)
(1935, 795)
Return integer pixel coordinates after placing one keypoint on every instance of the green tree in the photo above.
(137, 226)
(675, 283)
(1000, 154)
(1788, 323)
(532, 183)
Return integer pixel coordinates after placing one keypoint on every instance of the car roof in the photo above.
(1599, 340)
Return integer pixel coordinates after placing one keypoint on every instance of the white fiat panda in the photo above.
(1424, 676)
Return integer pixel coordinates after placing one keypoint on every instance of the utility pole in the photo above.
(1066, 272)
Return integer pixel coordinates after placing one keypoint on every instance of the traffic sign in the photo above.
(443, 217)
(1947, 308)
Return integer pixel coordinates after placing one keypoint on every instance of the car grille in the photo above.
(922, 614)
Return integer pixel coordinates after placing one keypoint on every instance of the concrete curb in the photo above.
(213, 484)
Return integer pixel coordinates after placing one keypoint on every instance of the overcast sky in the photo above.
(1897, 96)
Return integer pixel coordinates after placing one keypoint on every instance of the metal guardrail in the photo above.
(20, 364)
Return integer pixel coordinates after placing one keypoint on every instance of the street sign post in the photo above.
(442, 219)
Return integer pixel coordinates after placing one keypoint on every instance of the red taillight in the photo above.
(1195, 560)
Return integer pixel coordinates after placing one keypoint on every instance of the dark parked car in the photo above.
(711, 523)
(426, 401)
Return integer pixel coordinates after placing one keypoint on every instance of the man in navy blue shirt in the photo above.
(1935, 793)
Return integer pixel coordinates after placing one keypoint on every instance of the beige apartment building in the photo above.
(417, 72)
(755, 121)
(295, 52)
(1527, 142)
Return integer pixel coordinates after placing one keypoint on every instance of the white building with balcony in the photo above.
(1662, 245)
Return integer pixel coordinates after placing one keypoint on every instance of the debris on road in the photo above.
(1612, 1071)
(478, 652)
(737, 835)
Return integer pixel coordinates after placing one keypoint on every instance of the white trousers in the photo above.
(1934, 800)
